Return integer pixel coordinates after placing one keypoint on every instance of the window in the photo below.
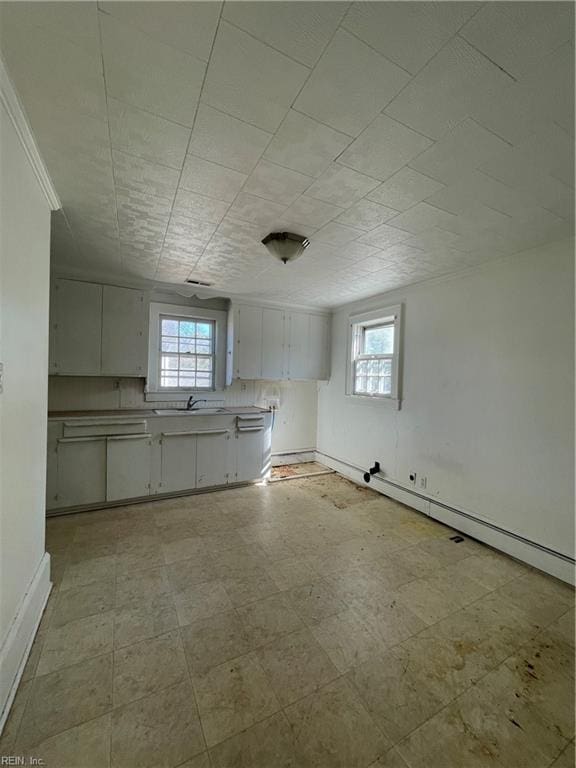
(373, 359)
(186, 353)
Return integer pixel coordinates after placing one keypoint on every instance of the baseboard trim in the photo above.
(537, 555)
(301, 456)
(21, 636)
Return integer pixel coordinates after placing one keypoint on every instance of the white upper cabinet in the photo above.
(277, 344)
(248, 342)
(97, 330)
(76, 318)
(273, 344)
(123, 332)
(299, 346)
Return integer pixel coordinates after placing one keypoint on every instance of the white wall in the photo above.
(488, 395)
(24, 290)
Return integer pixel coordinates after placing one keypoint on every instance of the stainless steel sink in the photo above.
(185, 411)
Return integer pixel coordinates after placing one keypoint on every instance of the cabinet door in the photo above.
(178, 471)
(298, 351)
(77, 326)
(81, 471)
(249, 342)
(250, 453)
(319, 356)
(128, 460)
(123, 332)
(273, 346)
(212, 458)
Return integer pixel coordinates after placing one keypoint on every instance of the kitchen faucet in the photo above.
(191, 403)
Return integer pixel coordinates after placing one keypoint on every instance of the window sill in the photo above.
(387, 402)
(172, 396)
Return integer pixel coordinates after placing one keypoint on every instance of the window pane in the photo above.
(168, 381)
(204, 330)
(169, 327)
(204, 363)
(379, 341)
(187, 346)
(203, 347)
(169, 361)
(188, 363)
(169, 345)
(187, 328)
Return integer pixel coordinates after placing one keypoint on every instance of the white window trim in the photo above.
(153, 390)
(376, 317)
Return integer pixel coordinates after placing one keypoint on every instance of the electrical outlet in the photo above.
(412, 478)
(242, 387)
(423, 483)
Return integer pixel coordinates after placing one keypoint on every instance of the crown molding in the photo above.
(12, 104)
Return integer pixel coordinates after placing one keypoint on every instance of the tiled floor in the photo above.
(304, 624)
(290, 471)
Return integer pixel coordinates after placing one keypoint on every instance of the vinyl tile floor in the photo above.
(306, 624)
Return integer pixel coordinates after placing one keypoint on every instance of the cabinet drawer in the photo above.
(88, 428)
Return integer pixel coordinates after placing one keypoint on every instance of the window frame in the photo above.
(357, 325)
(153, 390)
(211, 354)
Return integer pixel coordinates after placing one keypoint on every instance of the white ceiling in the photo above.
(405, 139)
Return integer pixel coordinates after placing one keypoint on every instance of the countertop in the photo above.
(148, 413)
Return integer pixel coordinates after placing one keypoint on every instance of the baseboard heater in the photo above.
(532, 552)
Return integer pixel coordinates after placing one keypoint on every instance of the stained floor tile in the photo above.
(160, 730)
(232, 697)
(303, 624)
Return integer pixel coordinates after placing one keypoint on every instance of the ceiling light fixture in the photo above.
(286, 246)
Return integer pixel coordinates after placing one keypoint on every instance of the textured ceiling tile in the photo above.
(250, 80)
(516, 35)
(210, 179)
(383, 148)
(421, 217)
(76, 22)
(341, 186)
(357, 251)
(184, 232)
(142, 218)
(199, 206)
(273, 182)
(405, 189)
(150, 75)
(224, 139)
(147, 136)
(393, 27)
(305, 145)
(433, 238)
(445, 91)
(366, 215)
(50, 72)
(477, 218)
(300, 30)
(511, 168)
(466, 147)
(140, 175)
(337, 233)
(383, 236)
(313, 212)
(477, 187)
(350, 85)
(250, 208)
(189, 26)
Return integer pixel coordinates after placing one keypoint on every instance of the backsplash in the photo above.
(296, 401)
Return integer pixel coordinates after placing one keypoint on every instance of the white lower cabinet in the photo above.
(178, 458)
(249, 453)
(128, 466)
(168, 457)
(212, 457)
(81, 471)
